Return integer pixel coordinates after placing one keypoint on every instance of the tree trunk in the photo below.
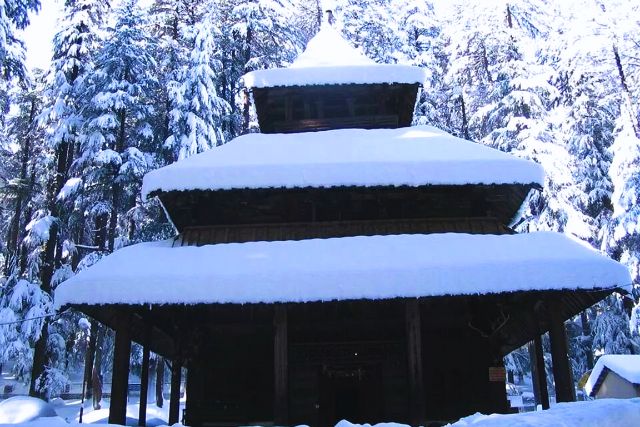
(14, 227)
(96, 381)
(586, 337)
(465, 124)
(40, 358)
(49, 264)
(89, 357)
(116, 188)
(245, 107)
(626, 93)
(159, 381)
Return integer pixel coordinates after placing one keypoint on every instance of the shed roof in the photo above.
(414, 156)
(330, 60)
(626, 366)
(350, 268)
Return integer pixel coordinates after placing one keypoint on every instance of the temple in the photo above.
(342, 264)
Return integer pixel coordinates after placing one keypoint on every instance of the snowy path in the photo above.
(598, 413)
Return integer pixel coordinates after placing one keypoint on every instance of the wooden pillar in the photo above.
(281, 367)
(414, 353)
(559, 353)
(174, 399)
(144, 379)
(120, 376)
(538, 372)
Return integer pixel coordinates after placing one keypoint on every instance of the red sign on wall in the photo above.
(497, 374)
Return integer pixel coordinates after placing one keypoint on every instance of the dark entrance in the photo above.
(351, 392)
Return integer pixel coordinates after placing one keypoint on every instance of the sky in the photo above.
(39, 34)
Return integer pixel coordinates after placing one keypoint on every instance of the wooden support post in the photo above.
(538, 372)
(144, 379)
(559, 353)
(280, 353)
(174, 399)
(120, 376)
(414, 353)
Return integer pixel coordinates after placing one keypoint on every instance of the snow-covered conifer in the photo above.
(196, 119)
(118, 149)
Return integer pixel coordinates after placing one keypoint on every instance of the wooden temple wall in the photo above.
(343, 361)
(405, 360)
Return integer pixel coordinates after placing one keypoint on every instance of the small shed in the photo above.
(615, 376)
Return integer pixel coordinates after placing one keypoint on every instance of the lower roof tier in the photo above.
(413, 156)
(350, 268)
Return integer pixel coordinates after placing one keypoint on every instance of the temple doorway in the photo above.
(351, 392)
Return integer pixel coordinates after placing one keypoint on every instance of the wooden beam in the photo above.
(414, 353)
(538, 372)
(562, 376)
(144, 380)
(174, 399)
(120, 376)
(281, 368)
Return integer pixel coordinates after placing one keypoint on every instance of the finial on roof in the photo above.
(330, 18)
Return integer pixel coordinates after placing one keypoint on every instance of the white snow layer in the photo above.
(625, 365)
(342, 75)
(328, 49)
(413, 156)
(597, 413)
(375, 267)
(330, 59)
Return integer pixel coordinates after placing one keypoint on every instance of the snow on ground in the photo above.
(69, 412)
(597, 413)
(413, 156)
(625, 365)
(330, 59)
(374, 267)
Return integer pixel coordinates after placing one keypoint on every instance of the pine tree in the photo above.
(254, 34)
(197, 117)
(171, 21)
(371, 26)
(118, 148)
(611, 332)
(23, 297)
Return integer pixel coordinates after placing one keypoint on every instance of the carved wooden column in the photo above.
(538, 372)
(563, 379)
(120, 376)
(281, 366)
(414, 362)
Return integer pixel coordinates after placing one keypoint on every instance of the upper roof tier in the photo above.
(330, 60)
(331, 85)
(414, 156)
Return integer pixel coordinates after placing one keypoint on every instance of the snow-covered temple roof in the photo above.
(625, 365)
(375, 267)
(420, 155)
(329, 59)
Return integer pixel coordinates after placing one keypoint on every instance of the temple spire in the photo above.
(329, 18)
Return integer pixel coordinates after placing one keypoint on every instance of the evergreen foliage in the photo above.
(556, 82)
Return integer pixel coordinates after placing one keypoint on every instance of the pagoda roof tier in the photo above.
(413, 156)
(330, 60)
(350, 268)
